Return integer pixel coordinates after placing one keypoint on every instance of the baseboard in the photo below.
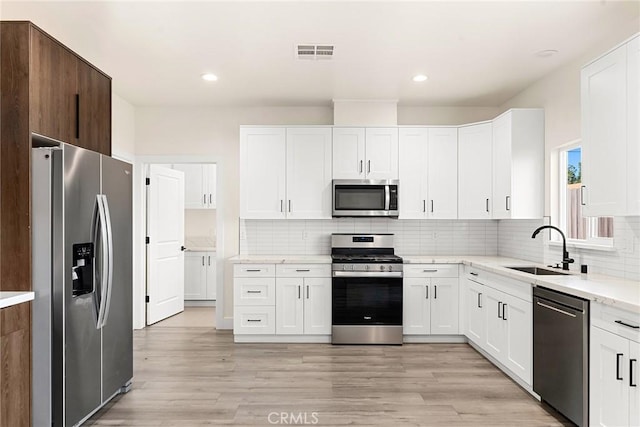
(284, 339)
(200, 303)
(434, 339)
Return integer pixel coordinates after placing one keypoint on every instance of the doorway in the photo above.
(202, 233)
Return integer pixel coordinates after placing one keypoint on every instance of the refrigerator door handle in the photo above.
(105, 260)
(109, 233)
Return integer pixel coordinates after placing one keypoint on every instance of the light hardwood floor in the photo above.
(198, 376)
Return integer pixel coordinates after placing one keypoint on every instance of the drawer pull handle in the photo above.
(473, 274)
(254, 271)
(254, 292)
(303, 270)
(632, 362)
(618, 374)
(254, 320)
(430, 271)
(620, 322)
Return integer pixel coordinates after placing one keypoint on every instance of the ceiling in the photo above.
(475, 53)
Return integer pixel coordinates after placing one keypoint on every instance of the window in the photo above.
(580, 229)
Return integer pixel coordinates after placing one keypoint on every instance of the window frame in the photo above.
(561, 158)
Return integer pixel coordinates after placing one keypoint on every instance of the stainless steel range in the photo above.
(366, 290)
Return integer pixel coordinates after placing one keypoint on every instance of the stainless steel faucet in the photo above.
(565, 255)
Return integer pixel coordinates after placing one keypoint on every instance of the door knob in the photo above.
(182, 248)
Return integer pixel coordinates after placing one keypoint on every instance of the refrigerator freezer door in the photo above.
(117, 336)
(80, 351)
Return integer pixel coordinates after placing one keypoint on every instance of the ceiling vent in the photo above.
(314, 51)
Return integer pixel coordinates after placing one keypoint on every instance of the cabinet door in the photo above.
(604, 134)
(94, 109)
(519, 334)
(634, 383)
(494, 325)
(633, 127)
(348, 153)
(289, 306)
(381, 153)
(308, 173)
(474, 171)
(475, 316)
(608, 395)
(413, 151)
(194, 181)
(262, 173)
(211, 275)
(415, 306)
(53, 88)
(444, 306)
(502, 166)
(195, 276)
(210, 184)
(443, 174)
(317, 305)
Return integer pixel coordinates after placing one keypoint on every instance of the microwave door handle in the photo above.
(387, 198)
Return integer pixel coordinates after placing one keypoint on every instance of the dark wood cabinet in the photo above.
(94, 97)
(53, 88)
(46, 89)
(15, 369)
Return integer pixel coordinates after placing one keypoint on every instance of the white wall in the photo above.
(123, 128)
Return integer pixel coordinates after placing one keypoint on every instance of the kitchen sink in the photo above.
(538, 271)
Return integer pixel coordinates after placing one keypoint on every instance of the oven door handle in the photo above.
(367, 274)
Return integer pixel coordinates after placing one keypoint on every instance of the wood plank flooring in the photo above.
(198, 376)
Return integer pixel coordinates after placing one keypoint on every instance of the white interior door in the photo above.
(165, 229)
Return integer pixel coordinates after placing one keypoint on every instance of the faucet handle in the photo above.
(569, 260)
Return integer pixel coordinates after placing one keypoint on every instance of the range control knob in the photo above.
(390, 268)
(382, 268)
(366, 267)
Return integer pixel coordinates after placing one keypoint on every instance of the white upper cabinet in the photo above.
(199, 182)
(262, 173)
(428, 161)
(474, 171)
(604, 90)
(633, 126)
(381, 153)
(518, 164)
(370, 153)
(443, 173)
(309, 173)
(610, 90)
(285, 173)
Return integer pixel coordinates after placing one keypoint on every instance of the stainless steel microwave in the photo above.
(365, 197)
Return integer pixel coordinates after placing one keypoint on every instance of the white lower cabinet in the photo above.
(286, 299)
(430, 299)
(199, 275)
(498, 319)
(614, 398)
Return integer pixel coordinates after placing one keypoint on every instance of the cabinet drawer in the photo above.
(254, 320)
(254, 291)
(616, 320)
(254, 270)
(516, 288)
(430, 270)
(303, 270)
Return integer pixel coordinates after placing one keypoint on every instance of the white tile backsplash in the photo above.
(412, 237)
(514, 240)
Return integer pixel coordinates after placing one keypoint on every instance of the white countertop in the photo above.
(200, 244)
(609, 290)
(7, 299)
(281, 259)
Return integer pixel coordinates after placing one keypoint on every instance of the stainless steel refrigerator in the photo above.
(82, 278)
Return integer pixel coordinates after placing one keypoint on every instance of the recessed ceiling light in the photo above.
(546, 53)
(419, 78)
(210, 77)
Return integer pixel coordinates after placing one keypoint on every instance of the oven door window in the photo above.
(367, 301)
(359, 197)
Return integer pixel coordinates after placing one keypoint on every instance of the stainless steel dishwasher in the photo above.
(561, 353)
